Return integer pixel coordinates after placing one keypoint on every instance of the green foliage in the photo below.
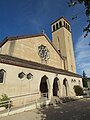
(86, 4)
(78, 90)
(80, 1)
(4, 100)
(84, 80)
(84, 74)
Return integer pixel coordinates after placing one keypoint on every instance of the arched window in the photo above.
(57, 26)
(2, 74)
(53, 27)
(60, 24)
(64, 23)
(66, 26)
(65, 82)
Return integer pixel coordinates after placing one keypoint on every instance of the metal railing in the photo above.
(22, 103)
(5, 106)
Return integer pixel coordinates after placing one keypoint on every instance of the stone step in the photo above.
(56, 100)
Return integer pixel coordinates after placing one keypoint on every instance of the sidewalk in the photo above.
(76, 110)
(29, 115)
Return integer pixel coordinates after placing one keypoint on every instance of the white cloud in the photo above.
(82, 52)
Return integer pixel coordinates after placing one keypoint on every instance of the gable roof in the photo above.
(17, 38)
(30, 36)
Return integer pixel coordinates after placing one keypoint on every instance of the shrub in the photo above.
(78, 90)
(4, 100)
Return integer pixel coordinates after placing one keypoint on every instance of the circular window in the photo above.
(43, 52)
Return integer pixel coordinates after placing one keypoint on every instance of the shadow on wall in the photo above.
(11, 47)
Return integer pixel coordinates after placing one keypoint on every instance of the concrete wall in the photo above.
(14, 86)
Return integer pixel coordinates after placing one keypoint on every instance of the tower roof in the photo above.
(59, 19)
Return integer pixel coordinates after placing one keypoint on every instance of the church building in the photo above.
(34, 63)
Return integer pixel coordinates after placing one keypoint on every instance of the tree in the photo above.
(84, 79)
(78, 90)
(87, 12)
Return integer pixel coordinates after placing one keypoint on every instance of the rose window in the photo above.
(43, 52)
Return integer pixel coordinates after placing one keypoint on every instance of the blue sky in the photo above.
(23, 17)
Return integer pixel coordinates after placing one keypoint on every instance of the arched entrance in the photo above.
(55, 87)
(44, 86)
(65, 83)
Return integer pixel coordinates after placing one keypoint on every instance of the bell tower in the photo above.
(62, 40)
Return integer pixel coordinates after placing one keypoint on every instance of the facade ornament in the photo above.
(43, 52)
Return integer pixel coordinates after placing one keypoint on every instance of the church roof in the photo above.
(9, 38)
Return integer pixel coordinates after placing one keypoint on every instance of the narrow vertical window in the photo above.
(2, 72)
(66, 26)
(60, 24)
(57, 26)
(53, 27)
(64, 23)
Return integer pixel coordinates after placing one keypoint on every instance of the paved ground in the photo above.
(77, 110)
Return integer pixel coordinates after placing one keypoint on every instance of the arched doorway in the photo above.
(65, 83)
(44, 86)
(55, 87)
